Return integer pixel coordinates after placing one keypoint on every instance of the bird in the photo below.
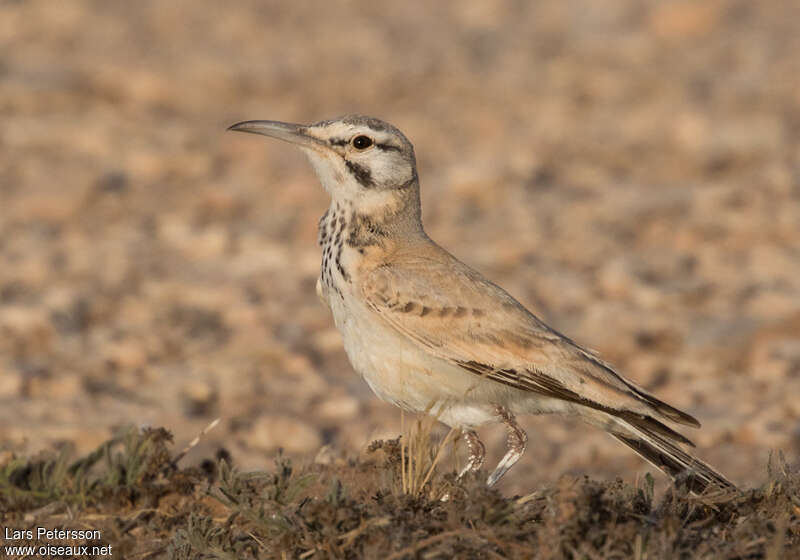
(430, 334)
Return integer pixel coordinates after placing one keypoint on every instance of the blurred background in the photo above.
(628, 170)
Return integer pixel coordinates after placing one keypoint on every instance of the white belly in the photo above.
(403, 373)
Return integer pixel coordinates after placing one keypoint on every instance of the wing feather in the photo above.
(457, 315)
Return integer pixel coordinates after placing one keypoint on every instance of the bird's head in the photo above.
(359, 160)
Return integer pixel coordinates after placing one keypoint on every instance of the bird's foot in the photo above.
(517, 440)
(477, 452)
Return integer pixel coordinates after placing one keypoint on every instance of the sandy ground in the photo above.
(628, 170)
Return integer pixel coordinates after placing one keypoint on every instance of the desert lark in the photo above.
(428, 333)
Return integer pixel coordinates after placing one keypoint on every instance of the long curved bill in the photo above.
(289, 132)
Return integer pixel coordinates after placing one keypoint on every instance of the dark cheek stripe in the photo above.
(362, 174)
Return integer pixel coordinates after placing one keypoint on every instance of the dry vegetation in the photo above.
(382, 505)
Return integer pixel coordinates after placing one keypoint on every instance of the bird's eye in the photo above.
(362, 142)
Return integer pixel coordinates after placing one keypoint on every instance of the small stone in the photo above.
(616, 278)
(338, 408)
(10, 384)
(64, 386)
(775, 358)
(28, 327)
(270, 433)
(113, 182)
(125, 355)
(328, 340)
(199, 398)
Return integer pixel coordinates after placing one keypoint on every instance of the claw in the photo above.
(517, 440)
(477, 452)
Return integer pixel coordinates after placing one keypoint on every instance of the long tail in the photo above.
(674, 461)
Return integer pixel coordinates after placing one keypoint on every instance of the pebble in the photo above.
(270, 433)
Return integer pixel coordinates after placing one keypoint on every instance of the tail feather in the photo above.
(673, 460)
(669, 411)
(651, 425)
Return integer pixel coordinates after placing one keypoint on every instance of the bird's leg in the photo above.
(476, 453)
(517, 439)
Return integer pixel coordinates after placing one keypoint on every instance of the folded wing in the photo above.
(459, 316)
